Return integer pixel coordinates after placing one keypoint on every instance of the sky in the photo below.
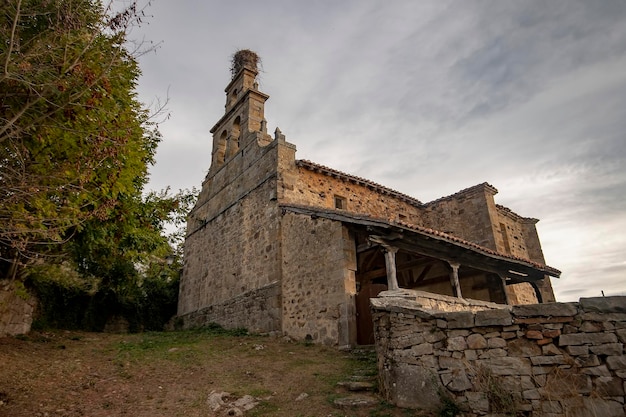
(426, 97)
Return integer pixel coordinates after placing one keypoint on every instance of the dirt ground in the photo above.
(71, 374)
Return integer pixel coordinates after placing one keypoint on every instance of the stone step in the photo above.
(360, 400)
(357, 385)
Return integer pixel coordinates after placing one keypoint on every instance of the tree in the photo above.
(75, 143)
(122, 266)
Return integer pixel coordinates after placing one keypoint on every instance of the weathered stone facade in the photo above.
(282, 245)
(554, 359)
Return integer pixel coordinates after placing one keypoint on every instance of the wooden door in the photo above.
(364, 324)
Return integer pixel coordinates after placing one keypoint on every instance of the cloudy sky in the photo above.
(426, 97)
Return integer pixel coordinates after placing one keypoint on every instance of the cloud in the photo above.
(426, 97)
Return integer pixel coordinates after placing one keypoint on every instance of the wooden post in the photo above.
(506, 294)
(454, 279)
(390, 264)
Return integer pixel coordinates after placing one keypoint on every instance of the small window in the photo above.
(340, 202)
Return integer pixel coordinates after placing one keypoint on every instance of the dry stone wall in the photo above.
(551, 360)
(16, 309)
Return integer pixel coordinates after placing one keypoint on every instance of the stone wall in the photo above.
(555, 359)
(16, 309)
(235, 253)
(233, 238)
(468, 215)
(318, 285)
(473, 215)
(440, 302)
(319, 190)
(258, 311)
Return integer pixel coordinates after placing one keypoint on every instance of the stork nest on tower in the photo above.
(244, 58)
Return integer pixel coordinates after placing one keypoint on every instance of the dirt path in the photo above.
(170, 374)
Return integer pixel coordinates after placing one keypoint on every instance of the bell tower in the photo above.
(244, 111)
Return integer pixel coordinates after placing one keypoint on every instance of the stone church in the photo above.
(287, 246)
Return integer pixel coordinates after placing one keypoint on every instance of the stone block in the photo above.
(411, 387)
(607, 386)
(434, 335)
(587, 360)
(450, 363)
(546, 310)
(427, 361)
(601, 370)
(531, 394)
(621, 334)
(507, 366)
(476, 341)
(458, 332)
(542, 370)
(493, 318)
(616, 363)
(493, 353)
(456, 380)
(477, 401)
(470, 355)
(456, 343)
(459, 319)
(615, 304)
(602, 317)
(422, 349)
(577, 350)
(587, 339)
(544, 320)
(526, 383)
(608, 349)
(523, 348)
(591, 327)
(551, 333)
(550, 349)
(548, 360)
(496, 343)
(534, 334)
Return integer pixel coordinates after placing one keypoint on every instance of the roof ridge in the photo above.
(511, 212)
(465, 191)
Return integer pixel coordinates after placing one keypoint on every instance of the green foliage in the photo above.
(73, 137)
(122, 266)
(75, 146)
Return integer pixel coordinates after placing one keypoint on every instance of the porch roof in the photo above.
(434, 243)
